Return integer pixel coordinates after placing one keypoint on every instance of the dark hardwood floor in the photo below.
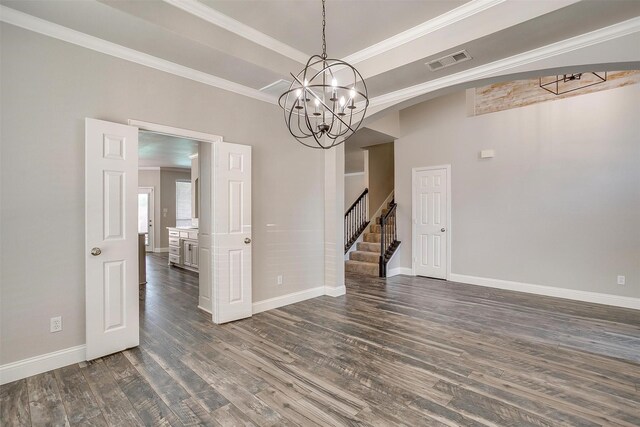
(405, 351)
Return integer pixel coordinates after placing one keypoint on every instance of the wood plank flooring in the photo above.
(405, 351)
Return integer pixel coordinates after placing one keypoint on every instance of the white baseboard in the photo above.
(594, 297)
(335, 292)
(204, 309)
(292, 298)
(46, 362)
(399, 270)
(160, 250)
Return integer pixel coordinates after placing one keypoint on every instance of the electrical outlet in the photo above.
(621, 280)
(280, 280)
(56, 324)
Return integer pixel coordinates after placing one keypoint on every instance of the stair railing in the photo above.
(388, 237)
(356, 220)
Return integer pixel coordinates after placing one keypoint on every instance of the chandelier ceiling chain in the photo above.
(318, 111)
(324, 37)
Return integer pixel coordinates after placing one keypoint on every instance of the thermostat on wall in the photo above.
(487, 154)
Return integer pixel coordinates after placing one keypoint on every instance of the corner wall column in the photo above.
(334, 221)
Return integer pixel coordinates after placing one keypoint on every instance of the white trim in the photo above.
(46, 362)
(465, 11)
(335, 291)
(174, 131)
(221, 20)
(572, 294)
(399, 270)
(148, 168)
(292, 298)
(161, 250)
(620, 29)
(449, 230)
(354, 173)
(28, 22)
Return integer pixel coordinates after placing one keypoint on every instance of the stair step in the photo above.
(373, 257)
(360, 267)
(368, 247)
(372, 237)
(375, 228)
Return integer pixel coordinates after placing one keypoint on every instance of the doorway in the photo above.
(146, 212)
(431, 219)
(224, 235)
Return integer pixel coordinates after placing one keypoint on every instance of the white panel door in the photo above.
(111, 237)
(232, 232)
(430, 213)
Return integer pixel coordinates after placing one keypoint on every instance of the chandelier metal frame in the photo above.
(318, 112)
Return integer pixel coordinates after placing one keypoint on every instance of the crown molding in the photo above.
(32, 23)
(221, 20)
(492, 69)
(464, 11)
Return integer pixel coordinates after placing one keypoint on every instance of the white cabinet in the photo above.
(183, 248)
(190, 253)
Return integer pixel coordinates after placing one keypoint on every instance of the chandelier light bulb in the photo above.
(317, 101)
(352, 93)
(298, 93)
(334, 83)
(306, 82)
(342, 101)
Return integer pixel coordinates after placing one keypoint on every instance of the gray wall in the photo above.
(151, 178)
(48, 88)
(381, 175)
(559, 205)
(168, 178)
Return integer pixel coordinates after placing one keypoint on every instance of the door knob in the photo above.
(96, 251)
(442, 229)
(247, 240)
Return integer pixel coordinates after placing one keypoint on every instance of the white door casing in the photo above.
(431, 213)
(231, 232)
(111, 237)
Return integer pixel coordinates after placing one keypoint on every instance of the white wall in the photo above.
(48, 88)
(354, 185)
(559, 205)
(151, 178)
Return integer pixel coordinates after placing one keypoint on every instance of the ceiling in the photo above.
(157, 150)
(532, 34)
(351, 25)
(244, 45)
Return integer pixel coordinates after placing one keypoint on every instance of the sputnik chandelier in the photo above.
(326, 101)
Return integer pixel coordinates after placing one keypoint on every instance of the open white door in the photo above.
(231, 232)
(111, 237)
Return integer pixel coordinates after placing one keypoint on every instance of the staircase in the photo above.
(381, 238)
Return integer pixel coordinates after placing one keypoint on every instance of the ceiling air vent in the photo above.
(277, 88)
(449, 60)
